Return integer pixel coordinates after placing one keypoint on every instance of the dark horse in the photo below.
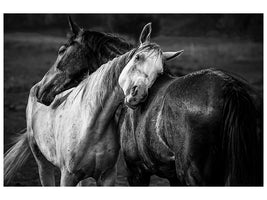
(199, 129)
(83, 53)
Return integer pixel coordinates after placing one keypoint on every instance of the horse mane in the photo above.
(107, 43)
(105, 46)
(100, 83)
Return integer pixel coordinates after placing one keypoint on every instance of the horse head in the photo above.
(70, 67)
(84, 52)
(145, 65)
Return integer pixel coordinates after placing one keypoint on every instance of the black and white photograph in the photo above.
(133, 99)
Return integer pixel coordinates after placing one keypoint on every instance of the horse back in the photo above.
(192, 123)
(180, 116)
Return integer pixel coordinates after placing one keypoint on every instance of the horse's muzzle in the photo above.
(44, 97)
(45, 100)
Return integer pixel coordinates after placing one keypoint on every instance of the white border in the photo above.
(134, 6)
(124, 6)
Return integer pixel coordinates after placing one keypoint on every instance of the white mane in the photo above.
(93, 89)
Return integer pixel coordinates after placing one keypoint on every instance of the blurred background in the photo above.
(232, 42)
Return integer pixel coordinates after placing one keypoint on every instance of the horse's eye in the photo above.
(62, 49)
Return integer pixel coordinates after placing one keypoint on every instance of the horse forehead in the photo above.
(150, 55)
(149, 50)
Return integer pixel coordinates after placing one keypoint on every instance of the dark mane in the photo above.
(105, 46)
(101, 48)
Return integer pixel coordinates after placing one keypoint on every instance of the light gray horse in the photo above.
(76, 132)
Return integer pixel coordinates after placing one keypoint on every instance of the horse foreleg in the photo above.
(108, 178)
(46, 173)
(86, 182)
(68, 179)
(45, 168)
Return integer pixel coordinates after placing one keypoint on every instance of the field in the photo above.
(27, 56)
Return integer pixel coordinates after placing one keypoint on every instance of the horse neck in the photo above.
(101, 94)
(108, 47)
(104, 88)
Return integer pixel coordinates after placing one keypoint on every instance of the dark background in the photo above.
(233, 42)
(248, 26)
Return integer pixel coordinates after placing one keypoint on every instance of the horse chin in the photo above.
(48, 96)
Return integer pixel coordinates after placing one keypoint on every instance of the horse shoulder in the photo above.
(31, 107)
(39, 125)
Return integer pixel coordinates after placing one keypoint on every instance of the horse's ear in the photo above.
(145, 34)
(170, 55)
(73, 27)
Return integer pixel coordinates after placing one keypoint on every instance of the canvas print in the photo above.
(133, 100)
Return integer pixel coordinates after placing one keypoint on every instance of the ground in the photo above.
(27, 56)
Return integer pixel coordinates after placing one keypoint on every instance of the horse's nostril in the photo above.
(134, 91)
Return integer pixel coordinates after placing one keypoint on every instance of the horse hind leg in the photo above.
(138, 177)
(175, 182)
(139, 180)
(87, 182)
(193, 176)
(108, 178)
(196, 173)
(45, 168)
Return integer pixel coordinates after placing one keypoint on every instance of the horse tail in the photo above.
(16, 156)
(241, 145)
